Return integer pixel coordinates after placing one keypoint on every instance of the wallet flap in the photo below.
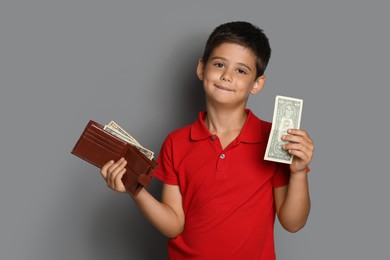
(138, 161)
(145, 180)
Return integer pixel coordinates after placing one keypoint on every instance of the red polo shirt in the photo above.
(227, 193)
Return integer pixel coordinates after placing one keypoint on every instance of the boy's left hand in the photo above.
(301, 146)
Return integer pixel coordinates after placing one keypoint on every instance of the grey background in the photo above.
(63, 63)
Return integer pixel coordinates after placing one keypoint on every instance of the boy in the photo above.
(219, 196)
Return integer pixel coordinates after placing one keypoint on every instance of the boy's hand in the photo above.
(301, 146)
(113, 172)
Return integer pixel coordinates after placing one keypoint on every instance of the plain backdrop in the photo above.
(63, 63)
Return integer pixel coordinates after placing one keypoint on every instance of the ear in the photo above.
(258, 85)
(200, 69)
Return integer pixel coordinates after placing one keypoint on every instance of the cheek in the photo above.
(211, 72)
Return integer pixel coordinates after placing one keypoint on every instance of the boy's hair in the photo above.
(244, 34)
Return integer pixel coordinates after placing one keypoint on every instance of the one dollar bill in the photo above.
(129, 139)
(119, 129)
(287, 115)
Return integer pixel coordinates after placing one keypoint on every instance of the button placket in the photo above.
(222, 165)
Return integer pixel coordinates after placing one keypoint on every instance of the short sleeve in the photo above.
(165, 170)
(281, 176)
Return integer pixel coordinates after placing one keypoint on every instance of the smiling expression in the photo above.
(229, 76)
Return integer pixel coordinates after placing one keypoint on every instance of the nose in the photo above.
(226, 76)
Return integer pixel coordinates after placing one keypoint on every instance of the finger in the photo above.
(113, 166)
(115, 171)
(295, 146)
(299, 132)
(302, 142)
(109, 168)
(103, 170)
(300, 151)
(293, 138)
(299, 147)
(118, 184)
(304, 138)
(301, 155)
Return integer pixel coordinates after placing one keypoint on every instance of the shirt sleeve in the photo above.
(281, 176)
(165, 170)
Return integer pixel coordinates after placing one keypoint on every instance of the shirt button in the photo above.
(222, 156)
(213, 138)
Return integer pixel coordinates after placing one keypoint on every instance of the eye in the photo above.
(218, 64)
(241, 71)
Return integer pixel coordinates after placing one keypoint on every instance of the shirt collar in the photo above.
(252, 131)
(199, 130)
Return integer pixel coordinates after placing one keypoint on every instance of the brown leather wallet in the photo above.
(98, 146)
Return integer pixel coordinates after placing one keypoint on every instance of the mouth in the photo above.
(223, 88)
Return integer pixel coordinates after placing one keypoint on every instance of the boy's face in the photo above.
(229, 76)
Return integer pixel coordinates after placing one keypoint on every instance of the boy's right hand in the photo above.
(113, 172)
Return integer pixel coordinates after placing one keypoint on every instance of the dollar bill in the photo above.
(119, 135)
(287, 115)
(119, 129)
(149, 154)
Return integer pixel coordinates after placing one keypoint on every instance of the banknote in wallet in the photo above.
(98, 146)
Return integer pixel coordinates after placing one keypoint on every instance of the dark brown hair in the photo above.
(244, 34)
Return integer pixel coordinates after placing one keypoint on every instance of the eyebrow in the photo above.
(224, 59)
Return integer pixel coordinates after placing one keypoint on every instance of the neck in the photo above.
(220, 121)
